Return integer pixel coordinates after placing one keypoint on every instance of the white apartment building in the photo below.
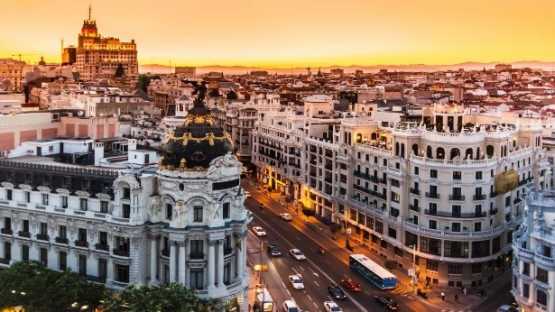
(450, 190)
(533, 255)
(132, 222)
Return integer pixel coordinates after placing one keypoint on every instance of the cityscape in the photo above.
(277, 156)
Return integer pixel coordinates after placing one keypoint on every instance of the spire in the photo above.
(90, 11)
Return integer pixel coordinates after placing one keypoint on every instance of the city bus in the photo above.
(372, 272)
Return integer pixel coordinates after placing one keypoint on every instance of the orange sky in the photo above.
(283, 33)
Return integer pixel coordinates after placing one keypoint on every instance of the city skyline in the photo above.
(273, 35)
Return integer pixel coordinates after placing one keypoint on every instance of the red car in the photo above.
(350, 285)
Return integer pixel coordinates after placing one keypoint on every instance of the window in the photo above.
(82, 235)
(454, 268)
(27, 196)
(433, 173)
(477, 226)
(44, 256)
(478, 175)
(64, 202)
(416, 170)
(103, 206)
(197, 278)
(197, 214)
(26, 226)
(456, 210)
(43, 228)
(226, 211)
(126, 193)
(432, 265)
(45, 199)
(83, 204)
(433, 224)
(197, 249)
(25, 253)
(103, 238)
(525, 290)
(83, 265)
(457, 175)
(9, 194)
(126, 211)
(392, 233)
(508, 201)
(541, 297)
(456, 227)
(102, 269)
(62, 232)
(7, 251)
(122, 273)
(62, 261)
(169, 211)
(227, 273)
(7, 224)
(541, 275)
(526, 268)
(546, 251)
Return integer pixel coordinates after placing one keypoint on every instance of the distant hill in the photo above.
(234, 70)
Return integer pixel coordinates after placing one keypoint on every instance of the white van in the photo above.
(290, 306)
(264, 301)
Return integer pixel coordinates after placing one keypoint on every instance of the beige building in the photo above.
(11, 75)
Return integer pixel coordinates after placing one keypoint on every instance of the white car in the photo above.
(296, 281)
(286, 216)
(259, 231)
(290, 306)
(331, 306)
(297, 254)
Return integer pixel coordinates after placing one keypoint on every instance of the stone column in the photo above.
(220, 264)
(173, 259)
(181, 263)
(110, 273)
(153, 260)
(211, 263)
(241, 256)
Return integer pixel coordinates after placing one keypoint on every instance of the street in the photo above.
(318, 271)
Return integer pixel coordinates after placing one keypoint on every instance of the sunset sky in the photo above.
(289, 33)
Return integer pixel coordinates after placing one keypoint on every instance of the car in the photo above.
(259, 231)
(290, 306)
(350, 285)
(297, 254)
(336, 292)
(507, 308)
(296, 281)
(273, 250)
(331, 306)
(387, 302)
(286, 216)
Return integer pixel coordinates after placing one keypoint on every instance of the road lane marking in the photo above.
(353, 300)
(315, 274)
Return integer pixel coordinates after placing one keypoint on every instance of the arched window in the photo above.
(469, 154)
(440, 153)
(415, 149)
(478, 153)
(374, 136)
(455, 152)
(429, 152)
(489, 151)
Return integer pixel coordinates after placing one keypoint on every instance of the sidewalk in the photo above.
(322, 234)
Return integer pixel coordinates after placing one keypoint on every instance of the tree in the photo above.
(172, 297)
(144, 81)
(37, 288)
(231, 95)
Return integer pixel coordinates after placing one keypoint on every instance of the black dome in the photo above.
(197, 142)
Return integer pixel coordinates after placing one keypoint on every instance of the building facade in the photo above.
(534, 259)
(104, 57)
(11, 75)
(183, 221)
(449, 191)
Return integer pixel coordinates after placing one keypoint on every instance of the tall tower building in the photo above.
(103, 57)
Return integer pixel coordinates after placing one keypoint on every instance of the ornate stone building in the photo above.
(104, 57)
(183, 221)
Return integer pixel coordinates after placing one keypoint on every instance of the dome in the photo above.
(197, 142)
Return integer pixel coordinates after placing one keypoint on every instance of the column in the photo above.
(220, 264)
(211, 262)
(181, 263)
(110, 273)
(153, 261)
(173, 258)
(240, 257)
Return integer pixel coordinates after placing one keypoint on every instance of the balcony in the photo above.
(493, 211)
(102, 246)
(43, 237)
(493, 194)
(61, 240)
(432, 195)
(165, 252)
(121, 252)
(6, 231)
(456, 197)
(479, 197)
(362, 189)
(446, 214)
(24, 234)
(414, 207)
(517, 200)
(415, 191)
(81, 243)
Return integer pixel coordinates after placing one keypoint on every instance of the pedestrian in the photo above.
(456, 298)
(442, 296)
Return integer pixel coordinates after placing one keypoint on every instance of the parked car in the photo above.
(297, 254)
(351, 285)
(290, 306)
(331, 306)
(259, 231)
(336, 292)
(387, 302)
(507, 308)
(296, 281)
(286, 216)
(273, 250)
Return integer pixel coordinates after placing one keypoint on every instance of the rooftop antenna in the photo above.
(90, 11)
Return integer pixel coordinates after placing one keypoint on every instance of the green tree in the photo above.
(144, 81)
(172, 297)
(37, 288)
